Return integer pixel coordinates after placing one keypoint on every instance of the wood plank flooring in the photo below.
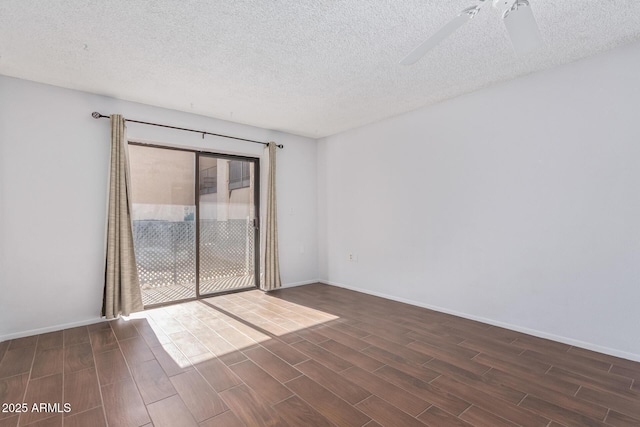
(314, 355)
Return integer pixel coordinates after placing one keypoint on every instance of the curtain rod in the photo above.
(97, 115)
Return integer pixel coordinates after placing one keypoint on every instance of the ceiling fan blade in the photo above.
(437, 38)
(522, 28)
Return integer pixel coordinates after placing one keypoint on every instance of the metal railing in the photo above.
(166, 251)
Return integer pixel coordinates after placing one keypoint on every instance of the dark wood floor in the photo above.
(314, 355)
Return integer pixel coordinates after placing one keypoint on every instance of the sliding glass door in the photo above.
(193, 222)
(227, 212)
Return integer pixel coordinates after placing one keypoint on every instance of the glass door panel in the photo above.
(227, 236)
(163, 213)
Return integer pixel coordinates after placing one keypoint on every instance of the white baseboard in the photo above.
(54, 328)
(294, 284)
(534, 332)
(98, 319)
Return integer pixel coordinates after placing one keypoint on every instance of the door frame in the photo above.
(256, 225)
(256, 222)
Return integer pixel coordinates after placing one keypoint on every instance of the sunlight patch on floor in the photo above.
(194, 332)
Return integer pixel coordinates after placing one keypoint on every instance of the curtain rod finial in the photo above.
(96, 115)
(280, 145)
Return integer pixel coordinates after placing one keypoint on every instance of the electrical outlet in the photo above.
(351, 257)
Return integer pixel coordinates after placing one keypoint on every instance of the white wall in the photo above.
(53, 180)
(518, 205)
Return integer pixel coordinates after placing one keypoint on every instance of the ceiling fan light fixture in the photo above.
(439, 36)
(522, 28)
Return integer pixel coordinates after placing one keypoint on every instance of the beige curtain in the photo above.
(122, 294)
(271, 264)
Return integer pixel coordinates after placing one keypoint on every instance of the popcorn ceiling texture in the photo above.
(307, 67)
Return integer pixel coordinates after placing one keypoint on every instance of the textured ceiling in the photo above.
(308, 67)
